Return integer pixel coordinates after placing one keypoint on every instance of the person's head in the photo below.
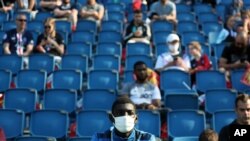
(140, 71)
(195, 49)
(173, 43)
(241, 40)
(91, 2)
(123, 115)
(138, 17)
(242, 109)
(21, 21)
(164, 1)
(245, 14)
(66, 1)
(49, 26)
(238, 3)
(230, 22)
(208, 135)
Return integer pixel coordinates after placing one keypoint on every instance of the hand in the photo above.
(138, 33)
(58, 3)
(151, 107)
(5, 9)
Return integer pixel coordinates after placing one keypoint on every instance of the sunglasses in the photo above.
(47, 26)
(22, 20)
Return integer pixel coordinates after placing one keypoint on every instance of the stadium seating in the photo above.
(112, 25)
(109, 49)
(106, 62)
(162, 25)
(173, 101)
(222, 118)
(86, 25)
(35, 138)
(13, 63)
(195, 138)
(138, 48)
(41, 62)
(236, 77)
(79, 49)
(76, 62)
(5, 79)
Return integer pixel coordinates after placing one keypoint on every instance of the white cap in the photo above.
(172, 37)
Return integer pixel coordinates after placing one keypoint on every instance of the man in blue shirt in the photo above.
(124, 118)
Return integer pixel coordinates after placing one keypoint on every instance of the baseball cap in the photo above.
(172, 37)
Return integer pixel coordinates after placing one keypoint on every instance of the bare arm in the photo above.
(31, 4)
(28, 50)
(6, 48)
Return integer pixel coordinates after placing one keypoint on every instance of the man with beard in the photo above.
(143, 93)
(242, 110)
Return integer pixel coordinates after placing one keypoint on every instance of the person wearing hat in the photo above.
(172, 59)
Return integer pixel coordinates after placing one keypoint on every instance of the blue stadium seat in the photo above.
(236, 77)
(79, 62)
(89, 122)
(208, 27)
(160, 37)
(60, 99)
(13, 63)
(51, 123)
(64, 35)
(214, 61)
(106, 62)
(201, 8)
(79, 49)
(80, 139)
(181, 7)
(149, 121)
(187, 26)
(112, 25)
(2, 33)
(35, 35)
(33, 79)
(82, 2)
(8, 25)
(3, 17)
(218, 49)
(109, 36)
(207, 17)
(83, 36)
(128, 76)
(109, 49)
(132, 59)
(138, 48)
(221, 11)
(35, 26)
(222, 118)
(103, 79)
(173, 101)
(22, 99)
(181, 80)
(12, 122)
(186, 16)
(64, 26)
(42, 15)
(219, 99)
(35, 138)
(195, 138)
(103, 97)
(188, 37)
(226, 2)
(213, 78)
(160, 48)
(67, 79)
(41, 62)
(116, 15)
(116, 7)
(86, 25)
(5, 79)
(185, 123)
(162, 25)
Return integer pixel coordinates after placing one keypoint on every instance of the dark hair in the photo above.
(138, 63)
(208, 135)
(137, 11)
(241, 97)
(122, 100)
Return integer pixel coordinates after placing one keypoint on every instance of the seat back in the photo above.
(79, 62)
(5, 79)
(106, 62)
(41, 62)
(175, 101)
(13, 63)
(222, 118)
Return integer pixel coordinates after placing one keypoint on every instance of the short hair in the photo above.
(241, 97)
(138, 63)
(208, 135)
(122, 100)
(195, 45)
(137, 11)
(19, 15)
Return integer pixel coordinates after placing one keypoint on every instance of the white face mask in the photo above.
(124, 123)
(173, 48)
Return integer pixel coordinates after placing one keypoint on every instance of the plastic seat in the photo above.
(51, 123)
(128, 76)
(35, 26)
(116, 15)
(219, 99)
(185, 16)
(60, 99)
(183, 8)
(64, 26)
(8, 25)
(185, 123)
(35, 138)
(149, 121)
(187, 26)
(67, 79)
(214, 61)
(34, 79)
(173, 101)
(188, 37)
(80, 139)
(35, 35)
(180, 81)
(41, 62)
(40, 16)
(79, 62)
(207, 17)
(64, 34)
(208, 27)
(212, 78)
(13, 63)
(83, 36)
(86, 25)
(221, 11)
(79, 49)
(89, 122)
(201, 8)
(109, 36)
(104, 98)
(226, 2)
(138, 48)
(5, 79)
(22, 99)
(160, 48)
(103, 79)
(218, 49)
(236, 76)
(3, 17)
(106, 62)
(112, 25)
(2, 33)
(222, 118)
(160, 37)
(132, 59)
(82, 2)
(195, 138)
(109, 49)
(162, 25)
(12, 122)
(111, 6)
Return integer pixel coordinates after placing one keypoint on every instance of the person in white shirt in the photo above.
(172, 59)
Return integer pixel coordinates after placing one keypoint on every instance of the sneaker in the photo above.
(73, 28)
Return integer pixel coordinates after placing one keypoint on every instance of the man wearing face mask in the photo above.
(172, 59)
(124, 118)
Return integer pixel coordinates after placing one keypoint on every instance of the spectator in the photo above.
(49, 5)
(143, 93)
(137, 30)
(230, 28)
(50, 41)
(27, 6)
(246, 21)
(235, 9)
(7, 6)
(242, 110)
(123, 116)
(199, 61)
(235, 56)
(165, 10)
(92, 11)
(18, 41)
(208, 135)
(69, 11)
(172, 58)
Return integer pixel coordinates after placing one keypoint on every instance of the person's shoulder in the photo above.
(11, 31)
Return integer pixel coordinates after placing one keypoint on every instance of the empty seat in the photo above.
(160, 48)
(109, 49)
(13, 63)
(201, 8)
(5, 79)
(112, 25)
(35, 26)
(160, 37)
(208, 27)
(41, 62)
(80, 139)
(109, 37)
(79, 49)
(222, 118)
(64, 26)
(106, 62)
(83, 36)
(35, 138)
(195, 138)
(79, 62)
(116, 15)
(187, 26)
(236, 79)
(138, 48)
(162, 25)
(188, 37)
(173, 101)
(207, 17)
(41, 15)
(185, 16)
(181, 7)
(86, 25)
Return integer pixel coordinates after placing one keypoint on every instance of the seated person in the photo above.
(143, 93)
(92, 11)
(7, 6)
(137, 30)
(50, 41)
(49, 5)
(173, 58)
(27, 6)
(69, 11)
